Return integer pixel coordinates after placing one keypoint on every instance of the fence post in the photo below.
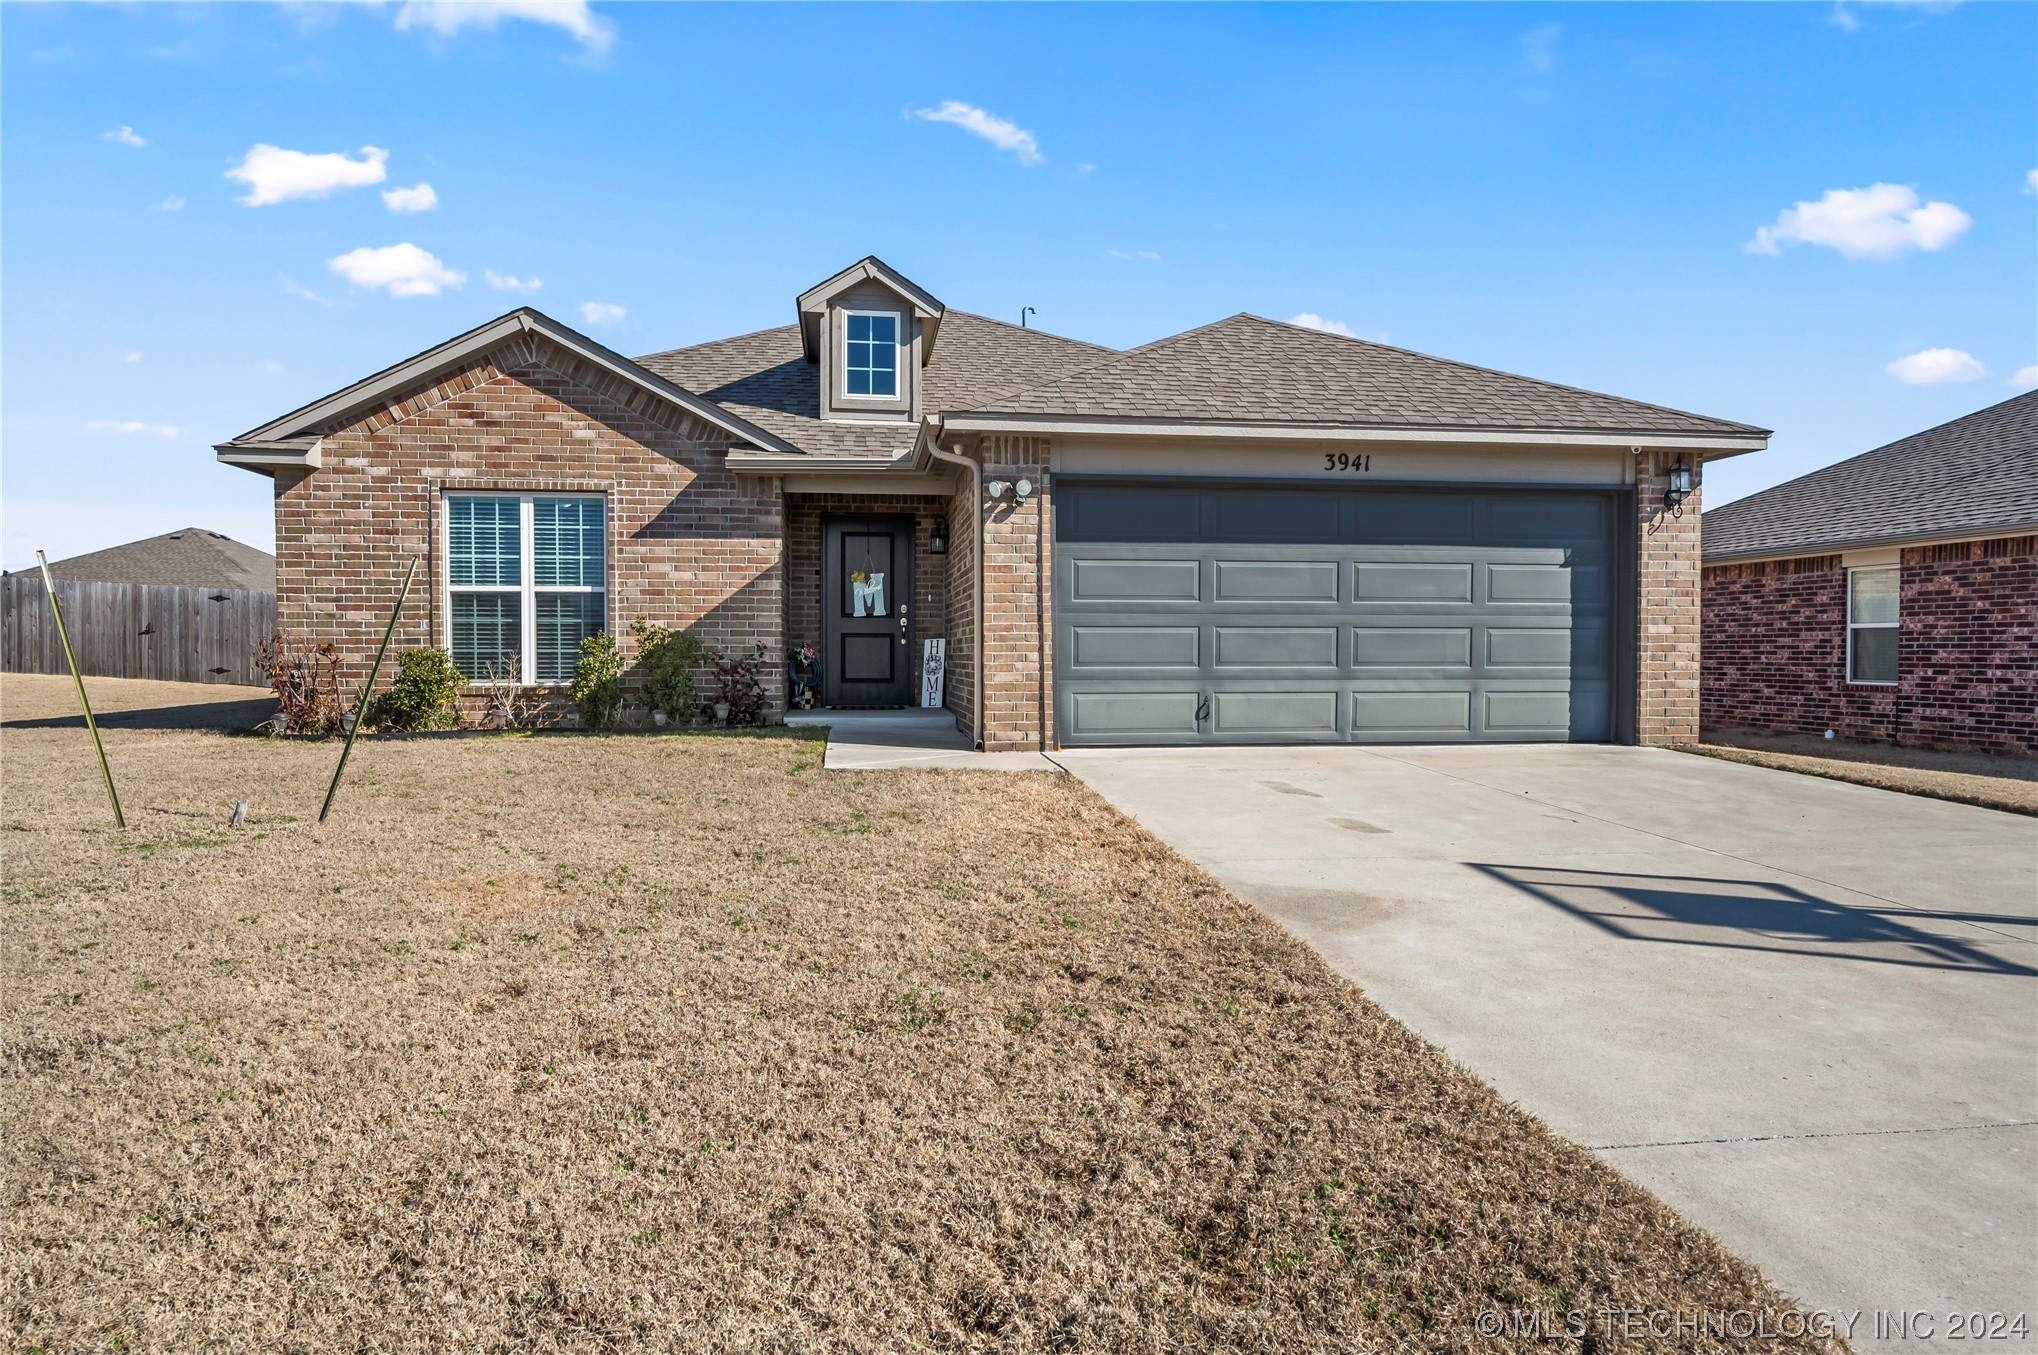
(91, 725)
(360, 707)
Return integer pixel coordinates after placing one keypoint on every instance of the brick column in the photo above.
(1667, 614)
(1017, 644)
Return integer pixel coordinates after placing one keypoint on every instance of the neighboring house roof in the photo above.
(767, 379)
(1251, 370)
(193, 558)
(292, 439)
(1976, 474)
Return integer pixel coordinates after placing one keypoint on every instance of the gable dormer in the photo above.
(869, 331)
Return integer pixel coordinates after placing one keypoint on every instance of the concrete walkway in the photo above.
(1804, 1013)
(872, 740)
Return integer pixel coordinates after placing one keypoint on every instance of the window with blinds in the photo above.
(526, 582)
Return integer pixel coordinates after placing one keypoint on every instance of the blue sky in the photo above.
(1576, 192)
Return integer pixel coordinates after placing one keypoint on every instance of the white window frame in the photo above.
(898, 365)
(1853, 625)
(527, 570)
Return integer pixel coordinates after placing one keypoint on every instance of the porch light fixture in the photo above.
(996, 489)
(1677, 488)
(1023, 490)
(937, 538)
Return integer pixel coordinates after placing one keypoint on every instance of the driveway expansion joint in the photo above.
(1828, 1134)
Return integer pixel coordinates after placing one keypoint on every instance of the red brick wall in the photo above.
(1667, 613)
(1018, 649)
(962, 613)
(689, 545)
(1967, 649)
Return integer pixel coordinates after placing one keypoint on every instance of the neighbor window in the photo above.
(526, 581)
(871, 361)
(1871, 624)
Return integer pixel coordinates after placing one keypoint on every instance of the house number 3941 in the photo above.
(1346, 462)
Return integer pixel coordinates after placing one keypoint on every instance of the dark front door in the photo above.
(866, 602)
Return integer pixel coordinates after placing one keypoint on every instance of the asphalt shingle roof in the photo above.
(1252, 370)
(193, 558)
(766, 378)
(1977, 473)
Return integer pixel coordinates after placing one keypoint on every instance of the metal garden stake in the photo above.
(361, 707)
(105, 771)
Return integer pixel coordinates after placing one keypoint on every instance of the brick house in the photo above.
(1891, 597)
(1248, 532)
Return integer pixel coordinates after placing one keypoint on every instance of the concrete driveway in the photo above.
(1804, 1013)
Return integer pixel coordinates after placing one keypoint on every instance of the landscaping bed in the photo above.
(1993, 782)
(670, 1042)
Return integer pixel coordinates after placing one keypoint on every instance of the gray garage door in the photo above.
(1259, 615)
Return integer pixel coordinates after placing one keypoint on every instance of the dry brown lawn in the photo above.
(1993, 782)
(681, 1043)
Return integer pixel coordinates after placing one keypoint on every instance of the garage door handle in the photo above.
(1202, 708)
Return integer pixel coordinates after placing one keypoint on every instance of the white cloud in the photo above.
(1878, 222)
(1311, 320)
(2031, 181)
(132, 357)
(2026, 377)
(1539, 47)
(504, 282)
(161, 430)
(271, 367)
(292, 287)
(123, 136)
(173, 203)
(273, 174)
(1135, 255)
(447, 17)
(601, 312)
(1936, 367)
(419, 199)
(401, 270)
(1006, 136)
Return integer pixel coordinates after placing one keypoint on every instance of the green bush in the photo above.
(425, 694)
(598, 681)
(667, 660)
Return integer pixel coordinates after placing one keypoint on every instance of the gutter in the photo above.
(1723, 443)
(930, 438)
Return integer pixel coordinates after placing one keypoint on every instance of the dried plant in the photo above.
(306, 680)
(510, 704)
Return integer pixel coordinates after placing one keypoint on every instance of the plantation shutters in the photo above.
(526, 581)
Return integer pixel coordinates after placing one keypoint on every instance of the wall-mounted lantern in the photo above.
(1679, 484)
(937, 539)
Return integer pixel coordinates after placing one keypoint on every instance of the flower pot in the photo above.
(658, 718)
(722, 712)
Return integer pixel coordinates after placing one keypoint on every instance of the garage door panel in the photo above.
(1298, 714)
(1136, 580)
(1411, 646)
(1273, 515)
(1412, 616)
(1143, 647)
(1277, 580)
(1276, 647)
(1411, 581)
(1104, 716)
(1411, 714)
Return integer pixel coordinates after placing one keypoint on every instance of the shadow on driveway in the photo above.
(1760, 915)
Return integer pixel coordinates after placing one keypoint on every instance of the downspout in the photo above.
(931, 435)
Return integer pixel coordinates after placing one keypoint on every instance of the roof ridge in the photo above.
(1117, 355)
(1495, 371)
(1026, 329)
(710, 343)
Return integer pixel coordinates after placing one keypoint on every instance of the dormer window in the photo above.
(870, 363)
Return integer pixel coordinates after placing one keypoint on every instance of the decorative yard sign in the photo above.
(931, 668)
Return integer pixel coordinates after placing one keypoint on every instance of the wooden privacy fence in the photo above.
(136, 630)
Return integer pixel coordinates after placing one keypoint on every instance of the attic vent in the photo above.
(176, 536)
(217, 536)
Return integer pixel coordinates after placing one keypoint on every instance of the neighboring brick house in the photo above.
(1248, 532)
(1893, 596)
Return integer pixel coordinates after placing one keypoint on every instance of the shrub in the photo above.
(509, 704)
(306, 680)
(737, 684)
(666, 662)
(597, 688)
(425, 694)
